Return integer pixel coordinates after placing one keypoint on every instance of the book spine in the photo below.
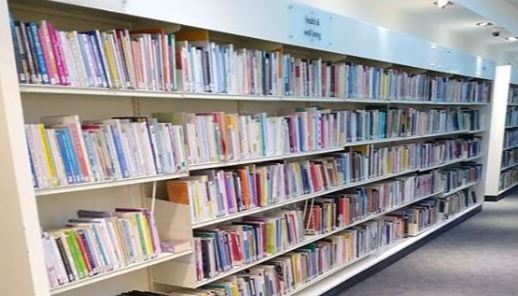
(48, 55)
(34, 37)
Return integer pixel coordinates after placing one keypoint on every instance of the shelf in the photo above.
(68, 90)
(476, 131)
(511, 126)
(92, 91)
(130, 268)
(328, 273)
(508, 167)
(507, 189)
(463, 159)
(107, 184)
(340, 274)
(458, 189)
(408, 138)
(308, 240)
(229, 97)
(512, 104)
(212, 165)
(509, 148)
(436, 103)
(293, 200)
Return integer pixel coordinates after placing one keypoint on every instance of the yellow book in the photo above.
(109, 51)
(296, 271)
(49, 161)
(147, 233)
(270, 238)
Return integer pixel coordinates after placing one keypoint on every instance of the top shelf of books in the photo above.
(190, 63)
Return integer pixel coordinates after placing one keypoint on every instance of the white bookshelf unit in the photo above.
(30, 211)
(501, 166)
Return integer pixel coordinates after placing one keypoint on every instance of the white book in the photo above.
(51, 264)
(108, 146)
(170, 147)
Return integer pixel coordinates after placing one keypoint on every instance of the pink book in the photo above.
(61, 62)
(48, 55)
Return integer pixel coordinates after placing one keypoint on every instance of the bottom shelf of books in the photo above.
(318, 266)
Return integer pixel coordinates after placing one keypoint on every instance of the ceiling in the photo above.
(454, 26)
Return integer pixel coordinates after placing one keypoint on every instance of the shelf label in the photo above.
(310, 26)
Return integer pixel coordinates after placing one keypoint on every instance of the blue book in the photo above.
(264, 130)
(17, 52)
(34, 37)
(69, 147)
(91, 77)
(127, 239)
(90, 152)
(305, 180)
(97, 51)
(66, 154)
(117, 140)
(302, 134)
(33, 172)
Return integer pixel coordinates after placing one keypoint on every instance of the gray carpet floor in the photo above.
(476, 258)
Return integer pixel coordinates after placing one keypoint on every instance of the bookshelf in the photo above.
(503, 179)
(49, 208)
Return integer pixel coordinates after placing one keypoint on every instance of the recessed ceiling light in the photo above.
(442, 3)
(512, 38)
(484, 24)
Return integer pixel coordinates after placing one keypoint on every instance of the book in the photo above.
(99, 242)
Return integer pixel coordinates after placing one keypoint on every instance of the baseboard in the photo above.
(390, 260)
(493, 198)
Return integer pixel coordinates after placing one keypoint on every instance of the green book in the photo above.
(76, 254)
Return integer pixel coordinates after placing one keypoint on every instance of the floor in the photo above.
(476, 258)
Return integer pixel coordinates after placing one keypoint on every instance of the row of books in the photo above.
(343, 208)
(458, 176)
(221, 68)
(443, 151)
(510, 138)
(216, 193)
(422, 215)
(217, 136)
(150, 59)
(419, 216)
(292, 270)
(508, 178)
(285, 273)
(220, 249)
(456, 203)
(118, 58)
(65, 151)
(98, 242)
(509, 158)
(511, 116)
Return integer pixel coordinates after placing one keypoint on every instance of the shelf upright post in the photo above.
(22, 252)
